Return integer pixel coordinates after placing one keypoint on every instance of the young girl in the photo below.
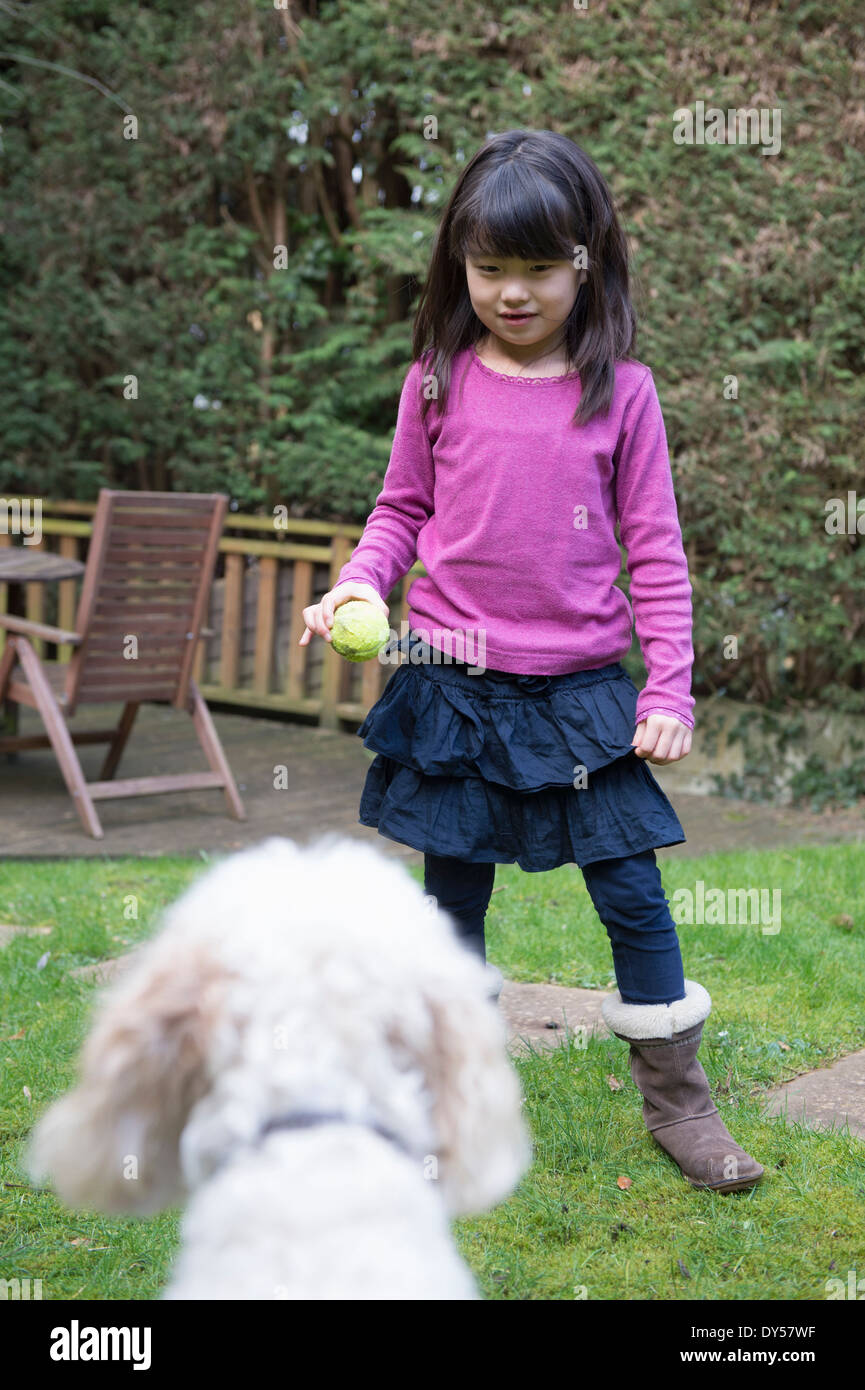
(526, 431)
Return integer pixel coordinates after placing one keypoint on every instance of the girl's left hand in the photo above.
(662, 739)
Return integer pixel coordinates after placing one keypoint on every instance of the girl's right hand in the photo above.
(319, 616)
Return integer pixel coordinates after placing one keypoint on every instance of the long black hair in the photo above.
(532, 195)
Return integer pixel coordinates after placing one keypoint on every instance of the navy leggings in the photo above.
(629, 899)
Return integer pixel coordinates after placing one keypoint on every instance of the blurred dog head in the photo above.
(289, 978)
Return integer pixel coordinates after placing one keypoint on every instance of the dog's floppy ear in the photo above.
(112, 1142)
(483, 1144)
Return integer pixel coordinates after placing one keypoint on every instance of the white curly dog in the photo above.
(307, 1053)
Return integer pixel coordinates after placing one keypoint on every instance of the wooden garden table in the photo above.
(20, 565)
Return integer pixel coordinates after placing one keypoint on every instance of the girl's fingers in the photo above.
(319, 617)
(662, 747)
(666, 749)
(681, 745)
(658, 754)
(313, 624)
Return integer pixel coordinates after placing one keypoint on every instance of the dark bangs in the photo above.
(513, 214)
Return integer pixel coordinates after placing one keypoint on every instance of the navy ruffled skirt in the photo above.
(507, 768)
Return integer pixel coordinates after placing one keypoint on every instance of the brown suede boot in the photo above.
(677, 1106)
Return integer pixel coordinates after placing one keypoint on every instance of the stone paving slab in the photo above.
(828, 1098)
(102, 972)
(541, 1015)
(7, 932)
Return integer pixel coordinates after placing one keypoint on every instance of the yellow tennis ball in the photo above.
(359, 631)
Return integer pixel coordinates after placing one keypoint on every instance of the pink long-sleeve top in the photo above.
(512, 510)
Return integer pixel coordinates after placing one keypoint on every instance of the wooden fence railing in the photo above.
(265, 578)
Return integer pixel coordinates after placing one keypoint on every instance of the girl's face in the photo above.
(540, 293)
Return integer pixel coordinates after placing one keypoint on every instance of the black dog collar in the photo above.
(305, 1119)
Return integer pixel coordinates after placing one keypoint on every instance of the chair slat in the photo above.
(116, 595)
(180, 574)
(163, 609)
(144, 523)
(139, 556)
(176, 502)
(137, 688)
(155, 629)
(146, 537)
(147, 651)
(121, 672)
(193, 517)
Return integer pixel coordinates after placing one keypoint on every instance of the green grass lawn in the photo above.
(783, 1003)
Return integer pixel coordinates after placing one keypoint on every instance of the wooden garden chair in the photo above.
(147, 582)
